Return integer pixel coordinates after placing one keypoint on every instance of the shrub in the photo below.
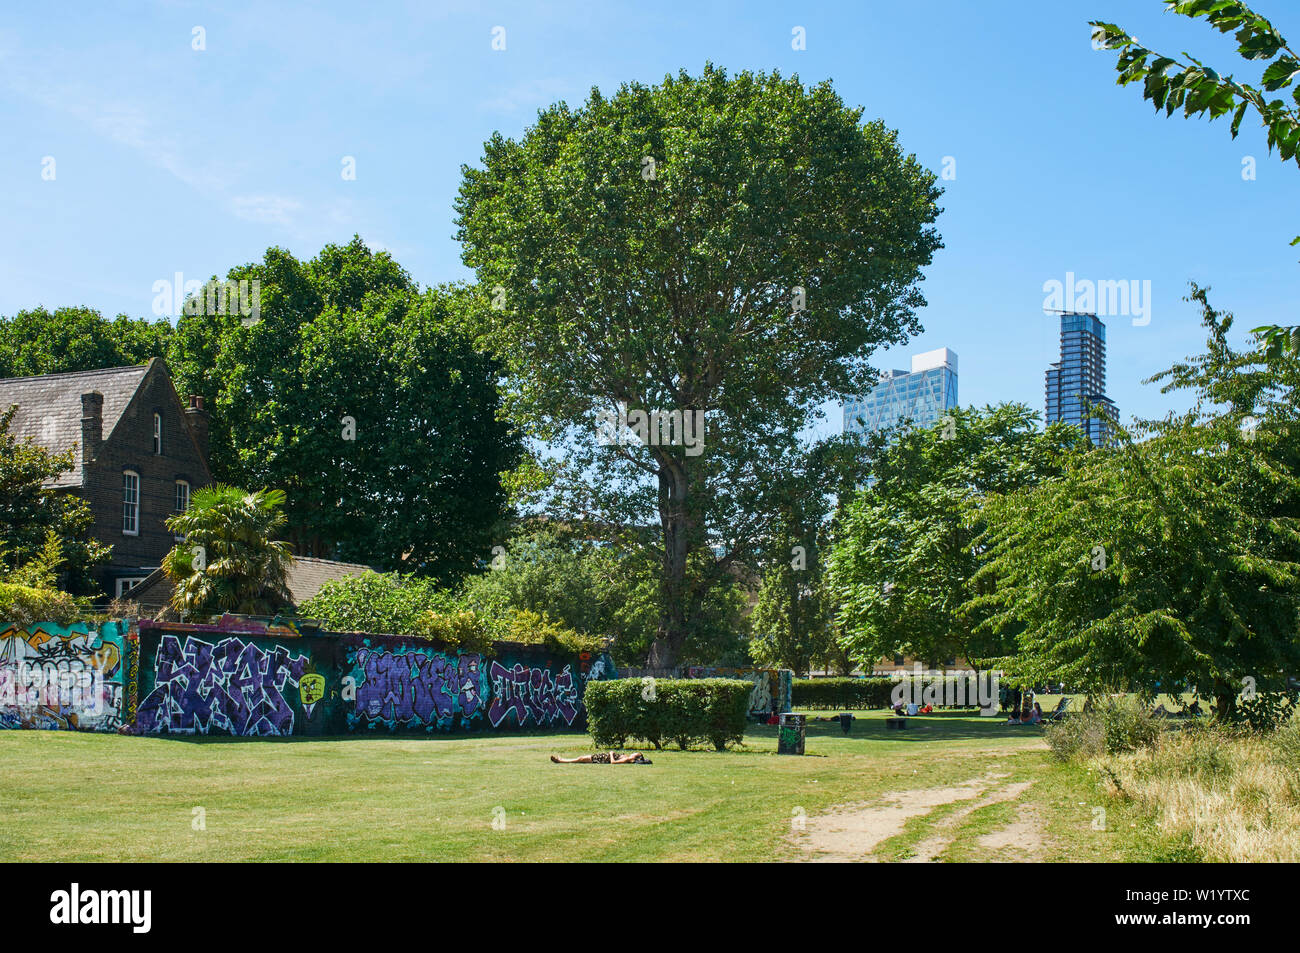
(23, 605)
(537, 628)
(377, 602)
(1112, 726)
(1079, 736)
(1265, 712)
(686, 711)
(876, 692)
(461, 628)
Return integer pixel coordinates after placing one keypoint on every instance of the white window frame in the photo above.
(157, 433)
(130, 503)
(179, 537)
(124, 589)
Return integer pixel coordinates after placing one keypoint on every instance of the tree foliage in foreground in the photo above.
(32, 510)
(1199, 90)
(1170, 561)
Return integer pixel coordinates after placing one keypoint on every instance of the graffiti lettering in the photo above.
(61, 678)
(232, 687)
(532, 692)
(416, 688)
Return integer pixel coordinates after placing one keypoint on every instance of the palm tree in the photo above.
(230, 560)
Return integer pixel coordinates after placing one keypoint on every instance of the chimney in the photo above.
(92, 426)
(198, 419)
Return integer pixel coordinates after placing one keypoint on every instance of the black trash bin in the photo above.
(790, 736)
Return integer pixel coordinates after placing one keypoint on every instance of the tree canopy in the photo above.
(727, 246)
(904, 565)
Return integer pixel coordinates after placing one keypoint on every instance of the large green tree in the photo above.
(362, 397)
(1171, 560)
(734, 246)
(905, 560)
(32, 511)
(38, 341)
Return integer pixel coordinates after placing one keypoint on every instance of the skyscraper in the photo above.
(1077, 382)
(924, 395)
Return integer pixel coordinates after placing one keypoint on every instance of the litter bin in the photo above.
(790, 735)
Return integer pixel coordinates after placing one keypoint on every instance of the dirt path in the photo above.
(853, 832)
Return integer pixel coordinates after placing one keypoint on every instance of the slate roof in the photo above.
(49, 407)
(306, 577)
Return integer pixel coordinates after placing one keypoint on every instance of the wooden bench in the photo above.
(895, 722)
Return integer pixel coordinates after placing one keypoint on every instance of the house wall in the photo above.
(130, 447)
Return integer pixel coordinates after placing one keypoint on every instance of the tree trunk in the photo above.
(1225, 700)
(666, 650)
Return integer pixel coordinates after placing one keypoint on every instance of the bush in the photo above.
(1113, 726)
(461, 628)
(686, 711)
(537, 628)
(1265, 712)
(24, 605)
(839, 693)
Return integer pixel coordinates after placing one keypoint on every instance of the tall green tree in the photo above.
(1170, 83)
(231, 559)
(32, 510)
(38, 341)
(365, 400)
(734, 246)
(905, 561)
(1171, 560)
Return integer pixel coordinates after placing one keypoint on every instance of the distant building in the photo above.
(138, 454)
(922, 395)
(1077, 382)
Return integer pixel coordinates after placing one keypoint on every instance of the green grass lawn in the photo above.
(71, 796)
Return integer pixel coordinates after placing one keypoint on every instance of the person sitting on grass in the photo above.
(1014, 719)
(1035, 714)
(605, 757)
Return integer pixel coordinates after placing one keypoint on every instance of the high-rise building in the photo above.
(923, 395)
(1077, 382)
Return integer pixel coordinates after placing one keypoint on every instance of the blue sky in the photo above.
(172, 159)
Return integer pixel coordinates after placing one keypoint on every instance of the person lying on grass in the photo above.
(605, 757)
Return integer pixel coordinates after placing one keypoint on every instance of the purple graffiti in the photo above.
(415, 688)
(233, 686)
(531, 692)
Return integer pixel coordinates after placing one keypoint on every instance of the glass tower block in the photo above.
(922, 395)
(1077, 382)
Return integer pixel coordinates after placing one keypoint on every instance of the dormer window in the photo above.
(157, 433)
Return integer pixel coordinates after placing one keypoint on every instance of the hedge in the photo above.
(687, 711)
(852, 692)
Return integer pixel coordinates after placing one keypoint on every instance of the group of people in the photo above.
(1027, 715)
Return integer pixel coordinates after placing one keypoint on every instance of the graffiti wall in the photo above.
(241, 678)
(68, 678)
(415, 687)
(223, 686)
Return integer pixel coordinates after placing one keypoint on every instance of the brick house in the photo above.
(138, 454)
